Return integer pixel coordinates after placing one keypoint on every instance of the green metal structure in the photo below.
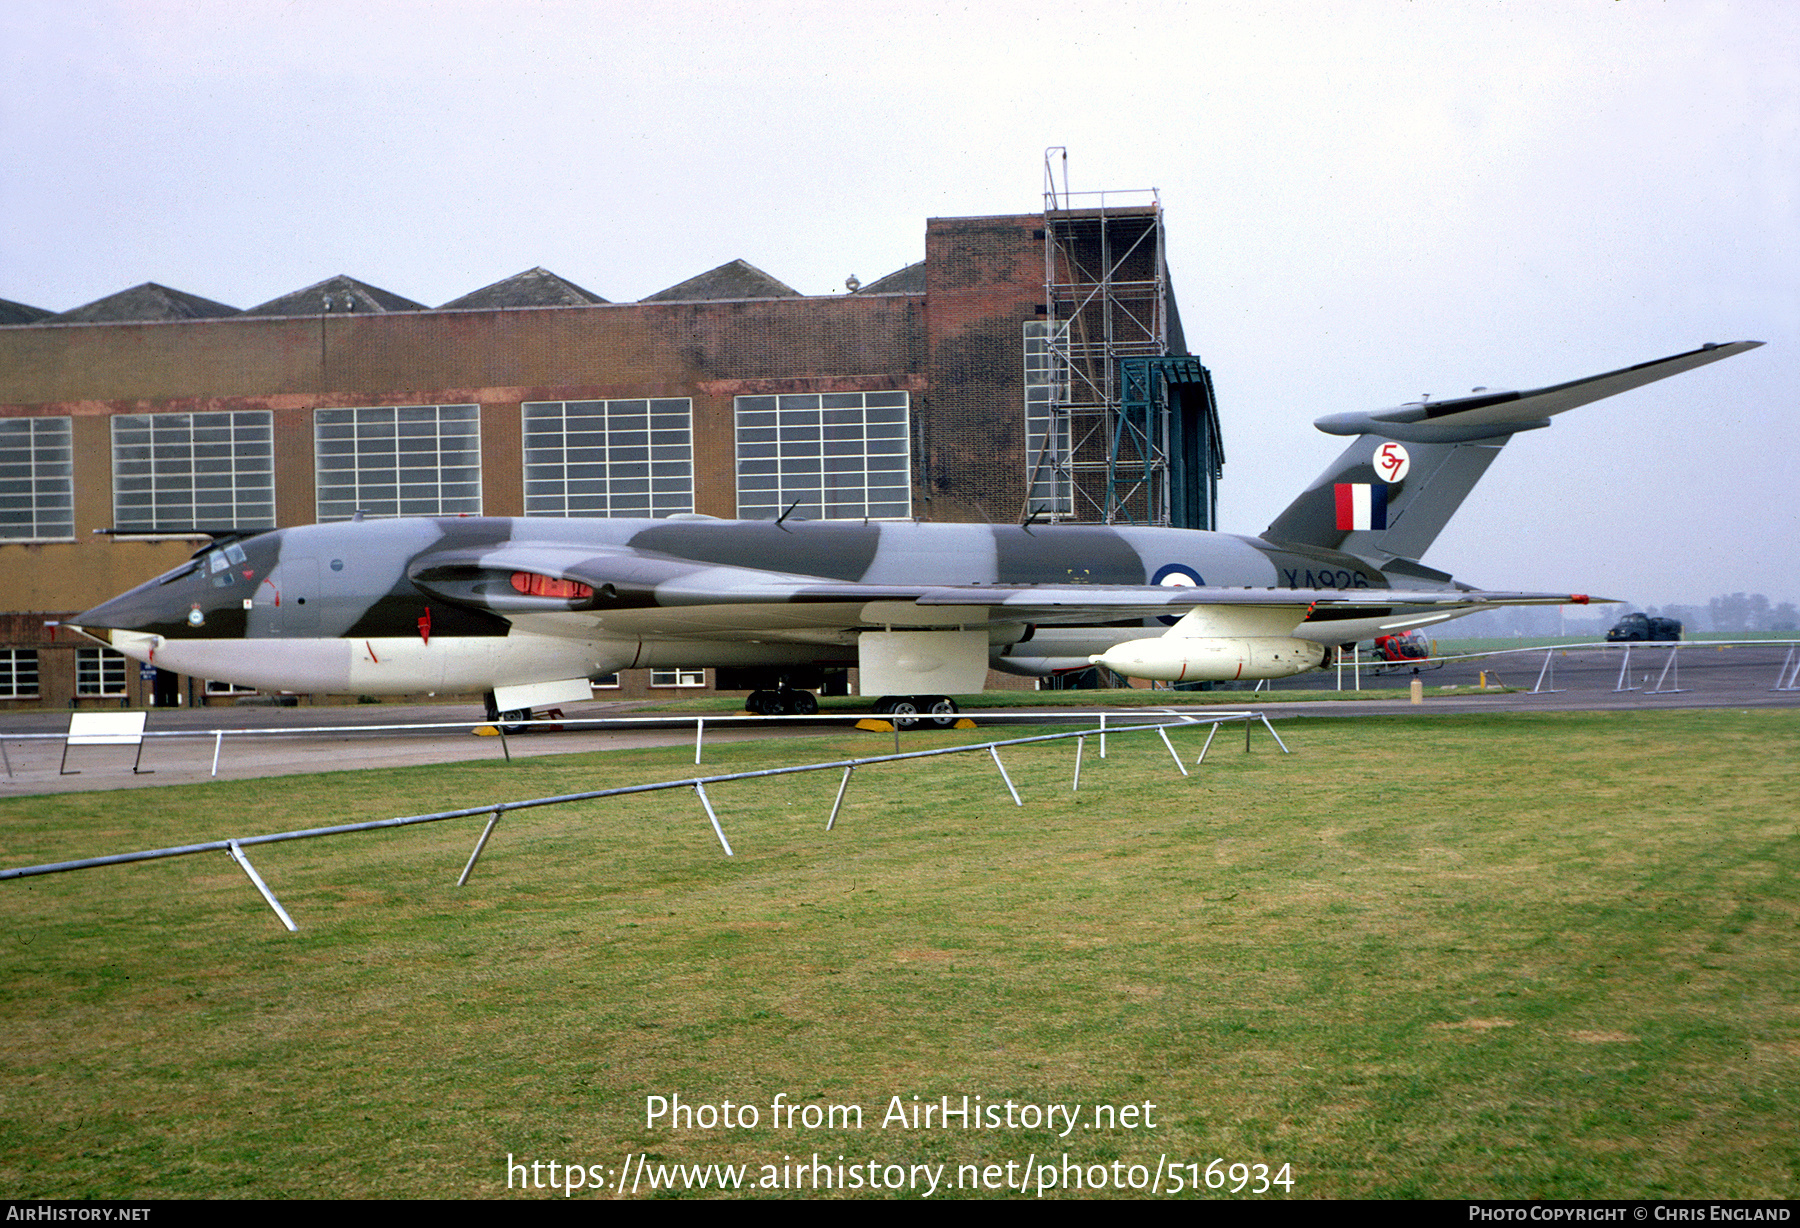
(1166, 453)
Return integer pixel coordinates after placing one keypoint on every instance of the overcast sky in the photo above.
(1366, 201)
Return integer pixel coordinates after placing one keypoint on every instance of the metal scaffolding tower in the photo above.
(1100, 426)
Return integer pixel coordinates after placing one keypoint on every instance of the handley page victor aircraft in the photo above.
(529, 610)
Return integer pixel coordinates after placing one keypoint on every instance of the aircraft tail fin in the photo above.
(1355, 507)
(1396, 486)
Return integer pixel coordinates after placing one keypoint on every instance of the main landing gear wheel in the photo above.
(782, 702)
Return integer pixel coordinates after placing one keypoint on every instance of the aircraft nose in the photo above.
(122, 613)
(153, 608)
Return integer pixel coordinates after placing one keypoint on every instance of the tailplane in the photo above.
(1396, 486)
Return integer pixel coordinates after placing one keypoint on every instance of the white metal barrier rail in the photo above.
(1786, 679)
(234, 846)
(921, 724)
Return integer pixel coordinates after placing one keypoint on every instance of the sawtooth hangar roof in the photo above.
(538, 287)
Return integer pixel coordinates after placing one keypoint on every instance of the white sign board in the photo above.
(106, 728)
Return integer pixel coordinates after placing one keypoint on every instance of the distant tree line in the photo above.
(1738, 613)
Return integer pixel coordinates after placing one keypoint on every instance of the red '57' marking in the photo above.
(1392, 462)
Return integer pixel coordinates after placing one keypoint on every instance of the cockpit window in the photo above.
(219, 560)
(219, 563)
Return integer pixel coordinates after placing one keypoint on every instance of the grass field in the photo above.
(1545, 955)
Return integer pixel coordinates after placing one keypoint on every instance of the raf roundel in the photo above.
(1392, 461)
(1175, 575)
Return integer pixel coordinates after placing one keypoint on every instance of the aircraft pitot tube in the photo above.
(1218, 645)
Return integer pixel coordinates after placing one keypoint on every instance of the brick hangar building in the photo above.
(1030, 366)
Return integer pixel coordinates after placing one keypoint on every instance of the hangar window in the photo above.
(609, 458)
(398, 460)
(185, 471)
(18, 673)
(843, 455)
(1047, 443)
(99, 671)
(37, 492)
(677, 677)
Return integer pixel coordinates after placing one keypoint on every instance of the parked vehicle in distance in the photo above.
(1634, 627)
(1399, 649)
